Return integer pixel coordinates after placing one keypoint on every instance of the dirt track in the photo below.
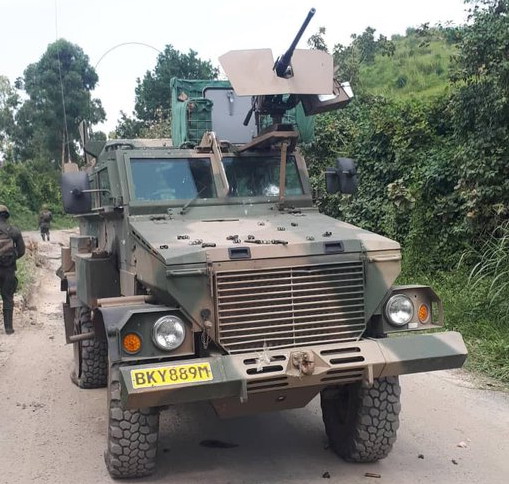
(50, 431)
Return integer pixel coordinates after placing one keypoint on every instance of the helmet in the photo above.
(45, 206)
(4, 211)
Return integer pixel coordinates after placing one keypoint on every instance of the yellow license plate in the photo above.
(171, 375)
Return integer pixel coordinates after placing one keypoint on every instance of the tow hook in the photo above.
(304, 361)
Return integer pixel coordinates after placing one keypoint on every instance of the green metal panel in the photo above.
(191, 116)
(189, 123)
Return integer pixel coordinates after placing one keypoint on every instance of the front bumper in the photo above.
(239, 376)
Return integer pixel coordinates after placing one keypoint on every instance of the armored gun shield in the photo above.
(251, 72)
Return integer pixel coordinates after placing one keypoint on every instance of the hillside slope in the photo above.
(418, 68)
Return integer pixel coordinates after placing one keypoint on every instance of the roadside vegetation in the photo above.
(27, 270)
(418, 67)
(25, 187)
(429, 128)
(433, 157)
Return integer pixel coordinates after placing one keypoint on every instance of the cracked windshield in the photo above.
(259, 177)
(175, 179)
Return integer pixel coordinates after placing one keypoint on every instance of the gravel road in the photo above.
(53, 432)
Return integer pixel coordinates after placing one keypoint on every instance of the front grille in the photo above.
(290, 306)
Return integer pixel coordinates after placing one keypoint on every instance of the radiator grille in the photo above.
(290, 306)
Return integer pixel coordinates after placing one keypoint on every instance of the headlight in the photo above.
(168, 333)
(399, 310)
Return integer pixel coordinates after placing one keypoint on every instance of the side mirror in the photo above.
(343, 178)
(315, 104)
(75, 195)
(331, 180)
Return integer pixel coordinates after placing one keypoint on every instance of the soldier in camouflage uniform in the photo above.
(45, 218)
(12, 247)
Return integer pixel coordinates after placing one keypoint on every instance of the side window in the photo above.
(104, 184)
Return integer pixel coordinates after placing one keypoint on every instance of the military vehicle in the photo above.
(204, 272)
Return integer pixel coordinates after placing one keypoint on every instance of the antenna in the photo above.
(65, 140)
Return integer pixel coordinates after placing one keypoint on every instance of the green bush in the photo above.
(407, 179)
(25, 187)
(433, 172)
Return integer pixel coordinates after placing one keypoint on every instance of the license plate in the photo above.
(171, 375)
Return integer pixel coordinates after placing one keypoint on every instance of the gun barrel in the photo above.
(284, 61)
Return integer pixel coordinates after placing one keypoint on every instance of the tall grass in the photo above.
(415, 70)
(492, 266)
(27, 269)
(476, 303)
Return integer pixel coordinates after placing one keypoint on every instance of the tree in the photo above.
(59, 89)
(362, 50)
(130, 127)
(9, 101)
(317, 41)
(153, 92)
(480, 109)
(127, 127)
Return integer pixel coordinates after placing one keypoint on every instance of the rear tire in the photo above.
(90, 355)
(132, 435)
(361, 420)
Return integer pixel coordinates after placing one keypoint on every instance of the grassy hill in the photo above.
(418, 68)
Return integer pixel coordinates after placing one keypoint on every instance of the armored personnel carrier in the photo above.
(203, 272)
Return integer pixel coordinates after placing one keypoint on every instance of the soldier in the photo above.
(45, 218)
(12, 247)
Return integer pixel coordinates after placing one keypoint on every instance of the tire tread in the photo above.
(132, 436)
(94, 355)
(372, 426)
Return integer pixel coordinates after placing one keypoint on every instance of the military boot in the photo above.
(8, 321)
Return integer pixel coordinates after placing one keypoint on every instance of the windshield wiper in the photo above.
(192, 200)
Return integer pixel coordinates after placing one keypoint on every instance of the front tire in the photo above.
(132, 435)
(361, 420)
(90, 355)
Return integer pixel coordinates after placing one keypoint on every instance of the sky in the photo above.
(210, 27)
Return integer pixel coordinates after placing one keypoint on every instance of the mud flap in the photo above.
(69, 314)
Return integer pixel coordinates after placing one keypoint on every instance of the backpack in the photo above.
(45, 217)
(7, 250)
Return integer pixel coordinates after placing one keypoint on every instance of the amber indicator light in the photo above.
(423, 313)
(131, 343)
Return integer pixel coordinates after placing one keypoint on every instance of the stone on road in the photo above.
(51, 431)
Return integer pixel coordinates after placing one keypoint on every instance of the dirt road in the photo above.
(51, 431)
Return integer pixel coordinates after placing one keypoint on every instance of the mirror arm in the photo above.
(77, 193)
(96, 190)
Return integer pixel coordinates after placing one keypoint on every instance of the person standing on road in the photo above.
(12, 247)
(45, 218)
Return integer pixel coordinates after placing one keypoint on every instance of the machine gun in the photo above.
(282, 65)
(299, 75)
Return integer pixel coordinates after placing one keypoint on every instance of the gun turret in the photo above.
(299, 76)
(282, 65)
